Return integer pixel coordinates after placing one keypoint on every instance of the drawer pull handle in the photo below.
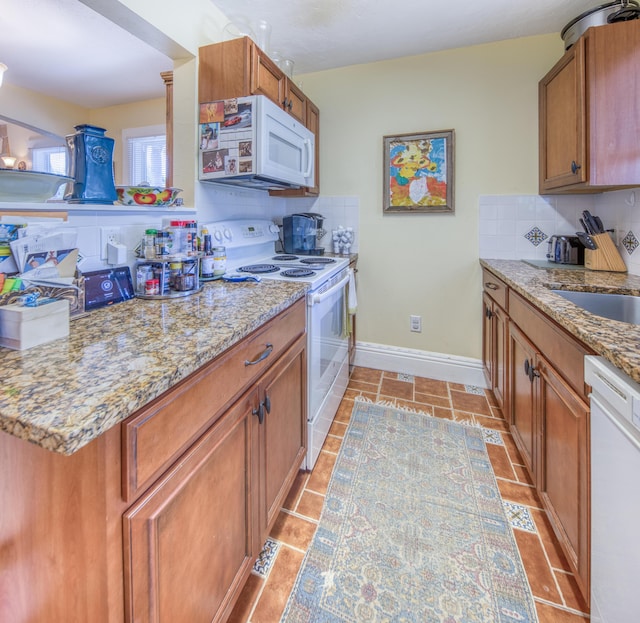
(491, 286)
(265, 353)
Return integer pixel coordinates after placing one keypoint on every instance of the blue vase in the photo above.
(91, 156)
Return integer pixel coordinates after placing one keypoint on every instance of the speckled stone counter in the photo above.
(63, 394)
(619, 342)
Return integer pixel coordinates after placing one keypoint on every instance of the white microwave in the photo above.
(250, 141)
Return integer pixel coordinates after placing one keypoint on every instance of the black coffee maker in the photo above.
(300, 233)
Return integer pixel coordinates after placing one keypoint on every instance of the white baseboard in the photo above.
(451, 368)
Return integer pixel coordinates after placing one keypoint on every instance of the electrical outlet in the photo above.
(108, 235)
(415, 323)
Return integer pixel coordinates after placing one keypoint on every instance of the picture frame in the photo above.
(419, 173)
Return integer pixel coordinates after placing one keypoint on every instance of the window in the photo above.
(145, 156)
(50, 159)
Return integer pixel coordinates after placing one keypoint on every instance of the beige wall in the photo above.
(428, 264)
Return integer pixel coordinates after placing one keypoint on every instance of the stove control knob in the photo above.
(217, 234)
(227, 234)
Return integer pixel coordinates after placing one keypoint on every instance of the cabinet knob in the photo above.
(259, 412)
(575, 167)
(488, 313)
(267, 404)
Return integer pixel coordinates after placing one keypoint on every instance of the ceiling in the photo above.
(88, 60)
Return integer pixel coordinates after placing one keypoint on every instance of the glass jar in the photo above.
(149, 244)
(219, 261)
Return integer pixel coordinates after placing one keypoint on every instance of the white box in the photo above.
(24, 327)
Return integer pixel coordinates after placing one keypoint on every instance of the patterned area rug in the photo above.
(413, 530)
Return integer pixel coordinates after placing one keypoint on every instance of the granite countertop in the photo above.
(63, 394)
(619, 342)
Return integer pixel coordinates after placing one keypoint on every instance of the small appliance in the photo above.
(565, 250)
(252, 142)
(302, 232)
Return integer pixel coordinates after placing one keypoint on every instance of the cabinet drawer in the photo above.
(495, 288)
(562, 351)
(158, 434)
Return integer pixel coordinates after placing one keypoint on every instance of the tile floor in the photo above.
(557, 598)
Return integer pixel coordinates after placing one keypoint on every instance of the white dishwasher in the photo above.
(615, 493)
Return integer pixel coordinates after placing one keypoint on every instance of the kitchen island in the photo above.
(144, 457)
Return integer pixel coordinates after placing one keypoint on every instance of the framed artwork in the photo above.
(419, 173)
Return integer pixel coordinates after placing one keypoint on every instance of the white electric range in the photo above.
(250, 249)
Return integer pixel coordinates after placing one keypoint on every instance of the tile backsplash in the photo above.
(519, 226)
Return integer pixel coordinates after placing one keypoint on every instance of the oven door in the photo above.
(327, 360)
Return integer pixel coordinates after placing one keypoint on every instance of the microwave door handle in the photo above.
(318, 298)
(307, 145)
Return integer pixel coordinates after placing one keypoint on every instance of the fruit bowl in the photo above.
(146, 195)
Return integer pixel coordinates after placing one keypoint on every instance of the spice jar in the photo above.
(219, 261)
(149, 244)
(175, 269)
(152, 287)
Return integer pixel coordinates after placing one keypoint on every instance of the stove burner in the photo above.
(259, 268)
(284, 258)
(297, 272)
(317, 260)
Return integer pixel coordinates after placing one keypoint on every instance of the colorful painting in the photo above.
(419, 172)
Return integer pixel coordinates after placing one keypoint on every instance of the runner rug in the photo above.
(412, 529)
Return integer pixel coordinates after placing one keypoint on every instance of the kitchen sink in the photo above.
(622, 307)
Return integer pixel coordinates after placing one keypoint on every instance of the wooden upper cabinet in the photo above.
(589, 120)
(239, 68)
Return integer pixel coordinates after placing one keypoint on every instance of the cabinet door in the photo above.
(500, 341)
(487, 339)
(188, 542)
(562, 124)
(283, 430)
(522, 396)
(564, 467)
(266, 77)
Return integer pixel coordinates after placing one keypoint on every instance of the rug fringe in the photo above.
(392, 405)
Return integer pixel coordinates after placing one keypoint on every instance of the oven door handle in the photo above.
(314, 299)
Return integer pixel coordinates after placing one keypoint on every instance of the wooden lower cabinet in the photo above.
(189, 542)
(283, 432)
(563, 470)
(522, 416)
(494, 336)
(549, 421)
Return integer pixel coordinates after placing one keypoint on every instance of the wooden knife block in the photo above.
(605, 257)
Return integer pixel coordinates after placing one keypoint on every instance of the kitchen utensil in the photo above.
(586, 240)
(598, 221)
(591, 223)
(599, 16)
(584, 225)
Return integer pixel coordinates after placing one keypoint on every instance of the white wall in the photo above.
(428, 264)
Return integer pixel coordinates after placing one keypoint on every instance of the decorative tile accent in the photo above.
(474, 389)
(535, 236)
(519, 516)
(405, 377)
(266, 558)
(492, 436)
(630, 242)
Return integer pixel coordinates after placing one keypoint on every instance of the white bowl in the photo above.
(29, 186)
